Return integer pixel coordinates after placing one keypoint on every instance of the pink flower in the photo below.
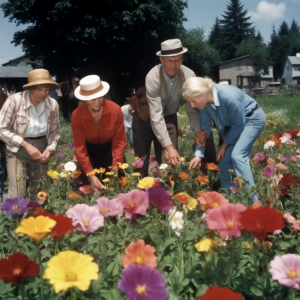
(289, 218)
(134, 202)
(138, 164)
(296, 226)
(226, 219)
(160, 199)
(85, 189)
(285, 138)
(258, 158)
(108, 207)
(286, 270)
(269, 144)
(152, 158)
(85, 218)
(294, 158)
(62, 165)
(271, 171)
(74, 159)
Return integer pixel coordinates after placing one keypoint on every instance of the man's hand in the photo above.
(195, 162)
(115, 169)
(172, 156)
(34, 153)
(221, 151)
(201, 138)
(45, 156)
(95, 183)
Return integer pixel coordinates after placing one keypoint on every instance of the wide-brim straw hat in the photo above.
(39, 76)
(171, 48)
(91, 87)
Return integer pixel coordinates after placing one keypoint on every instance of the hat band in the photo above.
(173, 51)
(91, 92)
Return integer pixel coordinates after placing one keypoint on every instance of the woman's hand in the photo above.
(196, 162)
(45, 156)
(201, 138)
(221, 151)
(95, 183)
(33, 152)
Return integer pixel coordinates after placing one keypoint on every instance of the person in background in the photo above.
(29, 125)
(98, 129)
(73, 101)
(5, 90)
(2, 153)
(12, 90)
(65, 90)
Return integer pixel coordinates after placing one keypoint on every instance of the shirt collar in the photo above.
(41, 107)
(216, 99)
(87, 114)
(167, 79)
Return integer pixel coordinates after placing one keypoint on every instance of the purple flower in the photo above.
(143, 283)
(138, 164)
(285, 159)
(258, 158)
(78, 181)
(159, 198)
(15, 206)
(32, 204)
(286, 270)
(59, 155)
(271, 170)
(71, 145)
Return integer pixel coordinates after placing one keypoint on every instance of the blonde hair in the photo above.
(196, 86)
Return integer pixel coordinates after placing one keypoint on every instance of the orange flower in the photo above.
(256, 204)
(211, 200)
(136, 158)
(212, 167)
(76, 174)
(200, 193)
(182, 197)
(270, 161)
(180, 132)
(138, 253)
(268, 122)
(123, 181)
(42, 195)
(203, 179)
(74, 195)
(183, 176)
(277, 141)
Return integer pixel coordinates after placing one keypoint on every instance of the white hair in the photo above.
(196, 86)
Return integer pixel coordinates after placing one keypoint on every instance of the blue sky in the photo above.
(201, 13)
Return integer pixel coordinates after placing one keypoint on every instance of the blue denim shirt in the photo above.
(232, 111)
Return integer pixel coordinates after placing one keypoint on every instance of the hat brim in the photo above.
(102, 93)
(183, 51)
(38, 82)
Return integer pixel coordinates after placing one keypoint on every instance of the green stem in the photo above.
(126, 231)
(117, 184)
(21, 288)
(169, 228)
(104, 248)
(184, 225)
(86, 243)
(68, 187)
(156, 220)
(291, 293)
(56, 247)
(41, 270)
(58, 189)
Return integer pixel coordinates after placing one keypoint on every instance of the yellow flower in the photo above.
(36, 228)
(123, 166)
(53, 174)
(70, 269)
(76, 174)
(247, 246)
(192, 203)
(146, 183)
(93, 173)
(136, 174)
(206, 245)
(182, 159)
(106, 180)
(102, 170)
(110, 173)
(136, 158)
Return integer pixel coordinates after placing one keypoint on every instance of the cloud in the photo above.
(296, 1)
(269, 11)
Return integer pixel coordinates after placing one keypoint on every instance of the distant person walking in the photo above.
(73, 101)
(65, 90)
(128, 111)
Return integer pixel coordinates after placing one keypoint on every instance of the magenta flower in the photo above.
(152, 158)
(271, 171)
(143, 283)
(85, 218)
(226, 219)
(17, 205)
(108, 207)
(258, 158)
(138, 164)
(134, 202)
(285, 159)
(160, 199)
(71, 145)
(59, 155)
(286, 270)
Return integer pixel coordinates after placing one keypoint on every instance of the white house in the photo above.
(291, 74)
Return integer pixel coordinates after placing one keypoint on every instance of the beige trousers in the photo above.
(20, 165)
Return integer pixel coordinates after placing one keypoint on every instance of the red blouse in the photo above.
(110, 128)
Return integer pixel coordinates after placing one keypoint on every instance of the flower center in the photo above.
(214, 204)
(292, 274)
(132, 204)
(16, 208)
(139, 260)
(85, 223)
(17, 272)
(70, 276)
(106, 210)
(141, 289)
(230, 225)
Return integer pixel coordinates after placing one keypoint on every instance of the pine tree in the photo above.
(235, 26)
(283, 29)
(259, 37)
(216, 38)
(294, 29)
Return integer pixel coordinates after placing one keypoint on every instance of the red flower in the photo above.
(216, 293)
(16, 268)
(277, 135)
(292, 132)
(287, 179)
(283, 191)
(261, 221)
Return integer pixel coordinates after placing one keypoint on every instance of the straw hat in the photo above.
(39, 76)
(171, 48)
(91, 87)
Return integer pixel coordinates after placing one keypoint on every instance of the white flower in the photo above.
(70, 166)
(63, 174)
(163, 166)
(203, 216)
(177, 233)
(269, 144)
(175, 218)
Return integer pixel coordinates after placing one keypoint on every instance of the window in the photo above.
(238, 67)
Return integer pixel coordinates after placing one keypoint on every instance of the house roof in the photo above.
(238, 58)
(15, 72)
(294, 60)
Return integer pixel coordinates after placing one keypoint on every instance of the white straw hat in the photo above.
(91, 87)
(171, 48)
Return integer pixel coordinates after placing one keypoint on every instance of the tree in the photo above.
(235, 27)
(259, 37)
(294, 29)
(109, 38)
(283, 29)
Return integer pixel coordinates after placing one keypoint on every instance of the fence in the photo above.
(291, 91)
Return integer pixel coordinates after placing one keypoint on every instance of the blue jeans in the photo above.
(236, 155)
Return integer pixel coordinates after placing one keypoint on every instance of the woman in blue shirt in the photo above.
(238, 118)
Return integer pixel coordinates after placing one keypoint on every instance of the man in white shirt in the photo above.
(127, 117)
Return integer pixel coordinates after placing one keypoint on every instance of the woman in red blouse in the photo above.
(98, 129)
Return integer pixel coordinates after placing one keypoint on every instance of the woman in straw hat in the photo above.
(98, 129)
(29, 126)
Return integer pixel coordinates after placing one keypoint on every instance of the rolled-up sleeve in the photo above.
(55, 128)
